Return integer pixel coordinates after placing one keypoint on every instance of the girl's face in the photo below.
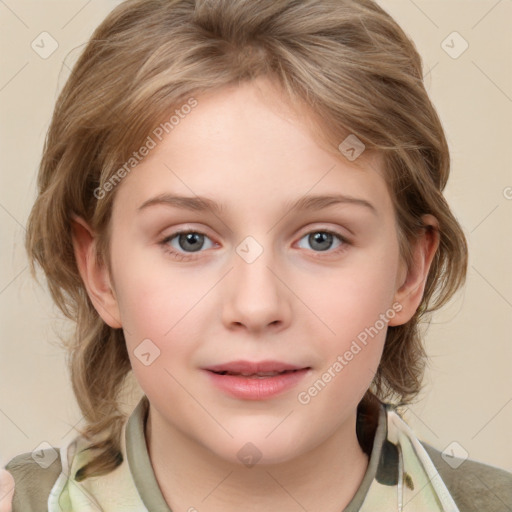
(311, 287)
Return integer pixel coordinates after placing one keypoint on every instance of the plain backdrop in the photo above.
(466, 404)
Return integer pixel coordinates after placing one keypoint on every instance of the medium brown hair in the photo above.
(347, 61)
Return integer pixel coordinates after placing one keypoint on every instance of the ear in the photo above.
(94, 273)
(411, 287)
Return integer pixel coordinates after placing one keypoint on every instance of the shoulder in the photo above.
(34, 475)
(474, 486)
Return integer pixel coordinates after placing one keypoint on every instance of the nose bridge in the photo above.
(252, 272)
(256, 296)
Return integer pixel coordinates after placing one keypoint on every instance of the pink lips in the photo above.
(255, 380)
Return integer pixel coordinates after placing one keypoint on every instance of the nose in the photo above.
(256, 296)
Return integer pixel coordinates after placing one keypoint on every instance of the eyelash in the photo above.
(193, 256)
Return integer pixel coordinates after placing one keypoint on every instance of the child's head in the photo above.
(254, 105)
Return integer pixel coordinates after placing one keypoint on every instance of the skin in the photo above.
(247, 149)
(6, 490)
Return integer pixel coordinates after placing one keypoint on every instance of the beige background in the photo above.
(468, 390)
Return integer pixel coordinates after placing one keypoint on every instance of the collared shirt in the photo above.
(399, 472)
(403, 475)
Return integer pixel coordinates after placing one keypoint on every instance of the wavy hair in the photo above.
(346, 60)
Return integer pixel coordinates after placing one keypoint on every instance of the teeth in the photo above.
(259, 374)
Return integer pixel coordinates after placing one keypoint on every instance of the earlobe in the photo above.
(410, 291)
(94, 273)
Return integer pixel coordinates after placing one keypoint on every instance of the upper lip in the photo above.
(253, 367)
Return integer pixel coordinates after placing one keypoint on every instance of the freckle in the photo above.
(408, 481)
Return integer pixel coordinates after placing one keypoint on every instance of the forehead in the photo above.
(249, 144)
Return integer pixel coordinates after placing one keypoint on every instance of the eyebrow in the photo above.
(313, 202)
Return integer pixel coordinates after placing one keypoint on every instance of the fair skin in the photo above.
(6, 490)
(294, 303)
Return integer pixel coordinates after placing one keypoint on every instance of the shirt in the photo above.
(401, 475)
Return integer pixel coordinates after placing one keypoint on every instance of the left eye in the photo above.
(188, 241)
(322, 240)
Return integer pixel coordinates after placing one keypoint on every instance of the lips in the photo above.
(246, 380)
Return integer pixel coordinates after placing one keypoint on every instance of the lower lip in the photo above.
(257, 388)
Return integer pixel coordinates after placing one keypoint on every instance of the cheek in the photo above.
(355, 306)
(159, 333)
(357, 309)
(160, 312)
(168, 319)
(152, 299)
(355, 298)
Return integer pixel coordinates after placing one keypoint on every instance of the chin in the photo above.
(254, 448)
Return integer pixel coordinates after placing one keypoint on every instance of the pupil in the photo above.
(195, 239)
(322, 238)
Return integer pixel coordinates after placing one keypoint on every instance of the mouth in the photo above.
(255, 368)
(259, 375)
(256, 380)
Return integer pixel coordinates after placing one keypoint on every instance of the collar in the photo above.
(399, 473)
(144, 477)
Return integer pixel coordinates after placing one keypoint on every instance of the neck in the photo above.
(190, 475)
